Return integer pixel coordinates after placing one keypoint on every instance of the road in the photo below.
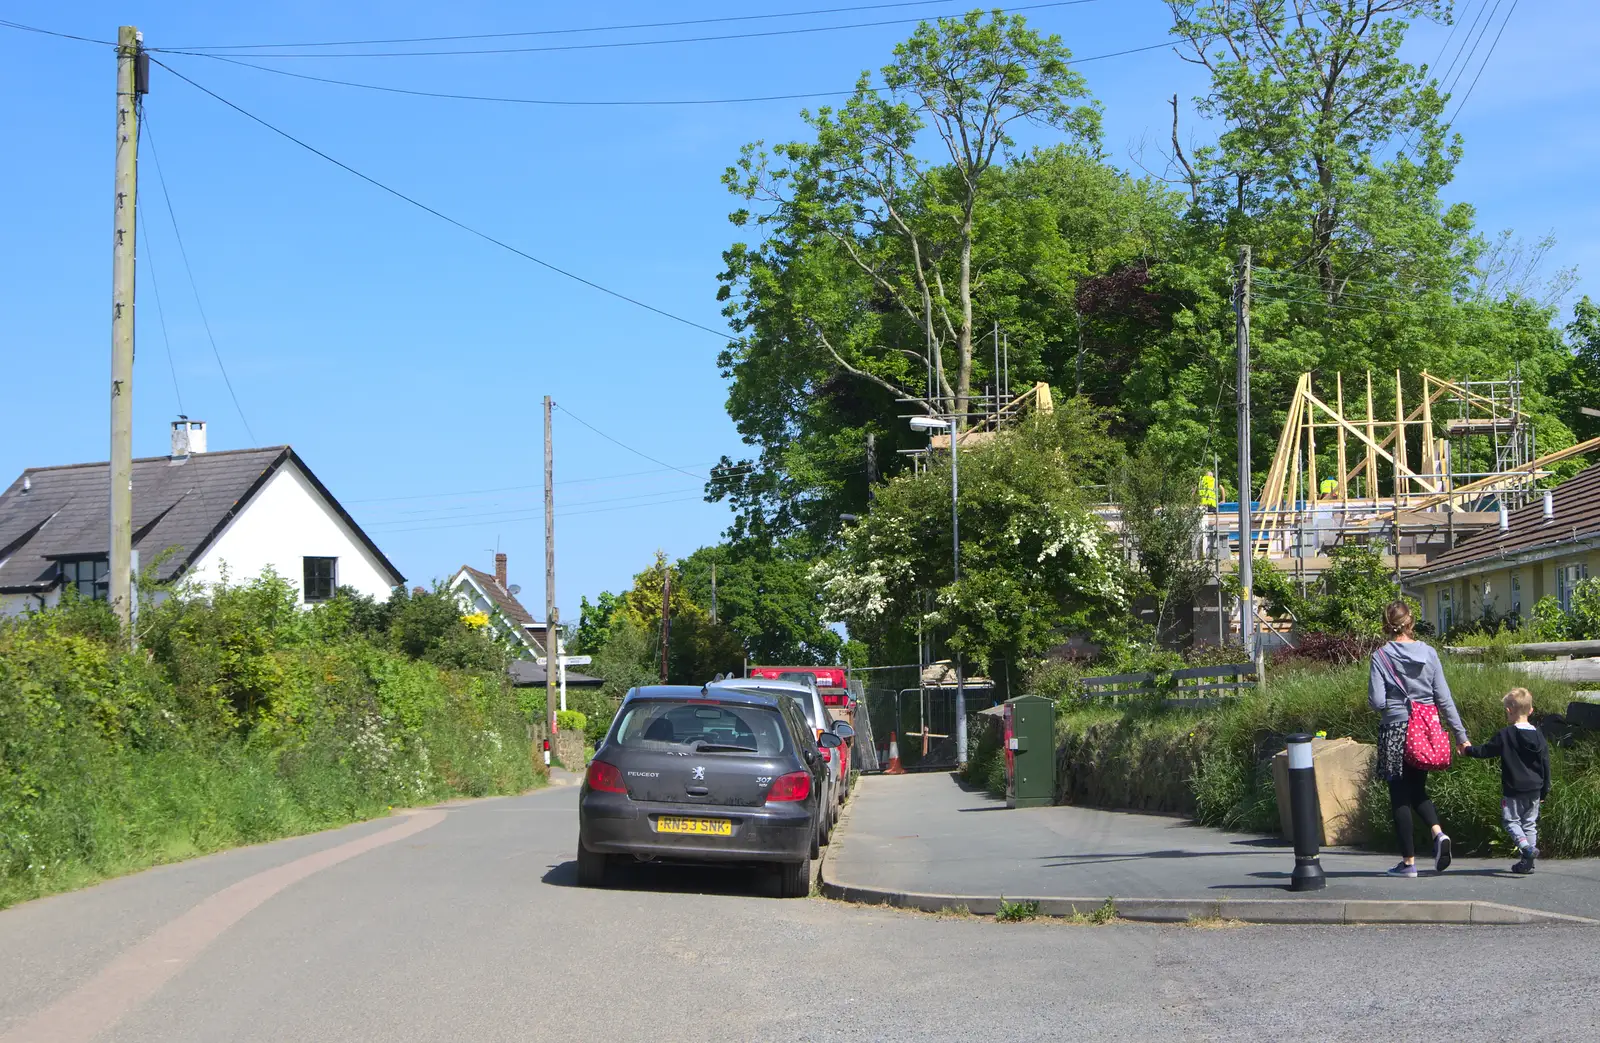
(467, 927)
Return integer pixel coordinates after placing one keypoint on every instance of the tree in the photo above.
(1163, 520)
(767, 596)
(1035, 563)
(909, 227)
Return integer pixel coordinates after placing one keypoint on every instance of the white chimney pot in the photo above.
(1549, 505)
(188, 436)
(1505, 518)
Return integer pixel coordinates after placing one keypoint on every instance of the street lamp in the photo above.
(931, 424)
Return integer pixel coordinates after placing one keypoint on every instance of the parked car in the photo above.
(833, 684)
(711, 774)
(803, 692)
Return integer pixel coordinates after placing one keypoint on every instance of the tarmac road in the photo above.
(465, 926)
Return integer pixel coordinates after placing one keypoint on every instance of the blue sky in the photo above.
(406, 360)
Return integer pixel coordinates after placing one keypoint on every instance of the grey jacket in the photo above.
(1416, 665)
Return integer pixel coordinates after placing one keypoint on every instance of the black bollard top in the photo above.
(1297, 738)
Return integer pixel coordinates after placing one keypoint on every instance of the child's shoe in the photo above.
(1441, 852)
(1523, 868)
(1408, 869)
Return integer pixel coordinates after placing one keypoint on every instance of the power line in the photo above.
(172, 215)
(722, 335)
(624, 445)
(523, 101)
(611, 44)
(565, 481)
(1462, 71)
(149, 258)
(1509, 12)
(51, 32)
(511, 513)
(1465, 39)
(603, 103)
(538, 513)
(566, 32)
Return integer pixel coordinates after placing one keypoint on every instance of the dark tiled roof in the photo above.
(525, 673)
(507, 602)
(1577, 515)
(183, 506)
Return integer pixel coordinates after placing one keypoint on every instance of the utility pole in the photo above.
(119, 555)
(872, 467)
(955, 552)
(666, 617)
(713, 592)
(552, 639)
(1246, 545)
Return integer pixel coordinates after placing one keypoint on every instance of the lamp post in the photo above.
(931, 424)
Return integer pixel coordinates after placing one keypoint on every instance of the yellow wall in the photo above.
(1536, 579)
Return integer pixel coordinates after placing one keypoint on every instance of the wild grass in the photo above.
(1221, 757)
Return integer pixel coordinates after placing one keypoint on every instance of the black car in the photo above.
(705, 775)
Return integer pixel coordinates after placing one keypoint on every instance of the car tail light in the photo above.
(794, 786)
(605, 778)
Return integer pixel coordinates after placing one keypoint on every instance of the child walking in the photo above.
(1524, 775)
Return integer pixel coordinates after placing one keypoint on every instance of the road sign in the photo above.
(569, 660)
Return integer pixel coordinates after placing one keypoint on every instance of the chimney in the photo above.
(500, 570)
(1549, 505)
(1505, 518)
(417, 592)
(188, 436)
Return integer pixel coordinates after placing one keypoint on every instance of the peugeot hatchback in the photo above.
(705, 775)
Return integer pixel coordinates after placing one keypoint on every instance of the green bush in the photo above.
(1222, 756)
(242, 718)
(571, 721)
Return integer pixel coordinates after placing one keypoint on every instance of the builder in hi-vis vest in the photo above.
(1209, 491)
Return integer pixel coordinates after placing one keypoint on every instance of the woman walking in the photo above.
(1406, 677)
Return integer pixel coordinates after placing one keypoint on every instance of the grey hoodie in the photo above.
(1417, 666)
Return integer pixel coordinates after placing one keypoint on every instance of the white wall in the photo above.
(285, 521)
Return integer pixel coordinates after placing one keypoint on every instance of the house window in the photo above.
(1567, 579)
(87, 576)
(1516, 593)
(320, 578)
(1447, 612)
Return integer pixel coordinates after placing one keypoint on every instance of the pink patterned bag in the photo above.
(1427, 746)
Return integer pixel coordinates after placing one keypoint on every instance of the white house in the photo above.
(493, 596)
(195, 514)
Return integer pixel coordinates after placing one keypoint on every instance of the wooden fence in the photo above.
(1182, 689)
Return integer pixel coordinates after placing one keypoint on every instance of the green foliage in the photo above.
(1161, 513)
(1548, 622)
(1016, 912)
(1034, 560)
(572, 721)
(1226, 752)
(766, 598)
(242, 718)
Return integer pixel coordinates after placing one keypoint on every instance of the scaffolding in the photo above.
(1475, 454)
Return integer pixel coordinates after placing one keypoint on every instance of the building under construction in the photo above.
(1413, 481)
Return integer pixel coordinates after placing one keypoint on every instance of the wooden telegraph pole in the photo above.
(552, 644)
(130, 84)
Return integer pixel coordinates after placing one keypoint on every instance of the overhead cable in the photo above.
(721, 335)
(609, 44)
(566, 32)
(177, 235)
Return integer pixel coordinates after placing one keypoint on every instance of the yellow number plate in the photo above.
(714, 827)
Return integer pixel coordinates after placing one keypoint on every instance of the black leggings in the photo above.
(1410, 791)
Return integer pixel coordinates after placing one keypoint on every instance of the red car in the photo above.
(833, 685)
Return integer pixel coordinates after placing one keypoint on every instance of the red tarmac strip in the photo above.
(139, 973)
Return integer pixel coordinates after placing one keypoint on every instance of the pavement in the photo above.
(463, 923)
(926, 841)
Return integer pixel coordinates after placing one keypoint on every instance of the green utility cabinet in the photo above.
(1030, 744)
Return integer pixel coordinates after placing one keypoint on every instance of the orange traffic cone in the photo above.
(895, 767)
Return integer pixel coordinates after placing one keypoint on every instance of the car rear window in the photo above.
(702, 726)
